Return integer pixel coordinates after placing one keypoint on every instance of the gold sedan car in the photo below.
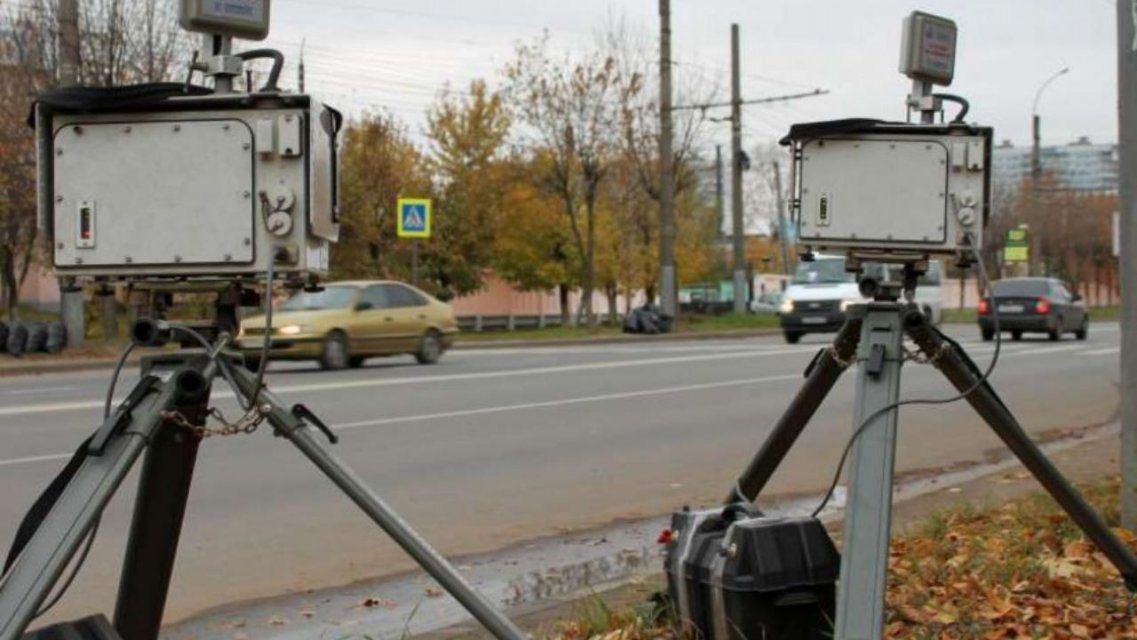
(347, 322)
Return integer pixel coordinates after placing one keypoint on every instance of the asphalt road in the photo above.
(490, 448)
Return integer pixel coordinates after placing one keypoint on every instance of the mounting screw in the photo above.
(128, 260)
(225, 127)
(126, 129)
(59, 152)
(177, 127)
(228, 257)
(248, 242)
(77, 129)
(78, 261)
(59, 245)
(59, 198)
(177, 258)
(246, 193)
(245, 146)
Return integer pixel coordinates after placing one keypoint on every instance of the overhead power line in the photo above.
(783, 98)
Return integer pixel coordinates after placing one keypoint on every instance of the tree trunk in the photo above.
(613, 310)
(566, 313)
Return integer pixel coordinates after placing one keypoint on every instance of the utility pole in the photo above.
(780, 202)
(300, 68)
(668, 287)
(1127, 139)
(719, 202)
(739, 239)
(70, 295)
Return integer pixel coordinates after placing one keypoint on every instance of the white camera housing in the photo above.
(890, 189)
(196, 187)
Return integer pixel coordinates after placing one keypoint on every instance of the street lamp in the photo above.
(1036, 153)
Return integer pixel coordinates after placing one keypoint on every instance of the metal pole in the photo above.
(868, 516)
(719, 202)
(783, 229)
(414, 261)
(1035, 151)
(738, 232)
(1127, 131)
(159, 509)
(668, 284)
(963, 375)
(820, 379)
(70, 295)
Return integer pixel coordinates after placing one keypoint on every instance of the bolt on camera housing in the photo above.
(896, 191)
(165, 183)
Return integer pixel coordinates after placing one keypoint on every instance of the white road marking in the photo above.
(498, 409)
(480, 375)
(1102, 352)
(566, 401)
(53, 456)
(17, 392)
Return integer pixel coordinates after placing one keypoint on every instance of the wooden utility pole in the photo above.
(668, 286)
(737, 226)
(1127, 139)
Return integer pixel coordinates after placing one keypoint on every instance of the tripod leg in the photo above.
(820, 379)
(957, 368)
(309, 443)
(41, 563)
(868, 511)
(159, 508)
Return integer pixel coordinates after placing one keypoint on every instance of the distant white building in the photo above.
(1078, 166)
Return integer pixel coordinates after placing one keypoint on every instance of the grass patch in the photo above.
(1022, 570)
(960, 316)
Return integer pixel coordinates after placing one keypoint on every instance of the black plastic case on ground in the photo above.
(94, 627)
(748, 578)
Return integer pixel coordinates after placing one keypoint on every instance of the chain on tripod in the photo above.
(246, 424)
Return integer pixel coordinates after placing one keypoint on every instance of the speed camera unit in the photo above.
(890, 188)
(210, 186)
(246, 19)
(927, 48)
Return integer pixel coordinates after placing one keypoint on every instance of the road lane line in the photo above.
(1101, 352)
(565, 401)
(17, 392)
(480, 375)
(498, 409)
(52, 456)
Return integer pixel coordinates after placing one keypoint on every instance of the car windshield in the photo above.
(1029, 288)
(329, 298)
(822, 272)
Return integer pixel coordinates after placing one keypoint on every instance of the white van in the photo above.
(821, 292)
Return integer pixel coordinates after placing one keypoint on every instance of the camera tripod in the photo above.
(873, 338)
(163, 419)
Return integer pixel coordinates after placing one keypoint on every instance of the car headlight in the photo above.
(787, 305)
(292, 329)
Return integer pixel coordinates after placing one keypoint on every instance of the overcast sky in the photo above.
(396, 54)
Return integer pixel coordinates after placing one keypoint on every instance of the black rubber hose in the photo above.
(277, 65)
(964, 105)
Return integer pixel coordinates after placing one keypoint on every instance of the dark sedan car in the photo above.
(1033, 305)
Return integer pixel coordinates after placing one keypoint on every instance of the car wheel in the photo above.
(356, 361)
(1083, 330)
(793, 337)
(1016, 335)
(1055, 334)
(335, 354)
(987, 334)
(252, 364)
(429, 348)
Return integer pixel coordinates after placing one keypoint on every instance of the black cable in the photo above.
(277, 65)
(964, 105)
(918, 401)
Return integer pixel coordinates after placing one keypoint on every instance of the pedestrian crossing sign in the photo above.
(414, 217)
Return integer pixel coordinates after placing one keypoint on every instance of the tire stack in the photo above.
(18, 338)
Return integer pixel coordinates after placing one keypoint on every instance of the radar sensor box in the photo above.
(210, 186)
(884, 189)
